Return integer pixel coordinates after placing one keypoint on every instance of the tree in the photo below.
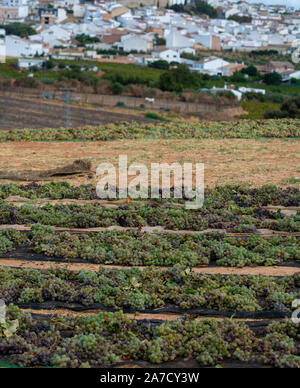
(251, 71)
(19, 29)
(49, 65)
(177, 8)
(289, 109)
(159, 41)
(240, 19)
(116, 88)
(203, 7)
(272, 78)
(237, 76)
(160, 64)
(178, 79)
(83, 39)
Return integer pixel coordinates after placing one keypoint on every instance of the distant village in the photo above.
(142, 35)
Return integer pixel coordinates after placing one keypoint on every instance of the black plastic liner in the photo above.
(166, 309)
(178, 363)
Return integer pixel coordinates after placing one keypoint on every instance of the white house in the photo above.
(136, 43)
(174, 39)
(14, 3)
(20, 5)
(2, 50)
(168, 55)
(13, 13)
(79, 10)
(20, 47)
(54, 35)
(214, 64)
(66, 3)
(295, 75)
(209, 41)
(187, 50)
(237, 93)
(243, 89)
(26, 64)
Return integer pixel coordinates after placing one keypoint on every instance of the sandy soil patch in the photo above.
(264, 161)
(267, 271)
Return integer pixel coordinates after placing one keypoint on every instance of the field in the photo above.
(263, 161)
(137, 283)
(17, 113)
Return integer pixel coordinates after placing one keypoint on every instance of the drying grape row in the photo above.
(152, 288)
(137, 248)
(244, 129)
(231, 217)
(108, 339)
(242, 195)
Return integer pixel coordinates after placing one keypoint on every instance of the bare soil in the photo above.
(228, 161)
(18, 113)
(266, 271)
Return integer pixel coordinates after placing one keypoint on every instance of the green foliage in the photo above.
(238, 76)
(81, 76)
(226, 93)
(240, 19)
(257, 109)
(83, 39)
(160, 64)
(289, 109)
(264, 52)
(251, 71)
(154, 116)
(178, 8)
(117, 88)
(272, 78)
(202, 7)
(159, 41)
(48, 65)
(245, 129)
(253, 96)
(175, 80)
(20, 29)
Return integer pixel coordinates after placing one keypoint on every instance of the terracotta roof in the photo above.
(111, 38)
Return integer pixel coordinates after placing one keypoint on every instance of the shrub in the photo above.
(252, 96)
(203, 7)
(272, 78)
(154, 116)
(178, 79)
(289, 109)
(160, 64)
(117, 88)
(251, 71)
(120, 104)
(226, 93)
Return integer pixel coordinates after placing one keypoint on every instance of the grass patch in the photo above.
(256, 110)
(154, 116)
(292, 181)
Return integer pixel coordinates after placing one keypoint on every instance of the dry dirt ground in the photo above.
(265, 271)
(264, 161)
(17, 113)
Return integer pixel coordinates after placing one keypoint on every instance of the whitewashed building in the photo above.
(174, 39)
(20, 47)
(2, 50)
